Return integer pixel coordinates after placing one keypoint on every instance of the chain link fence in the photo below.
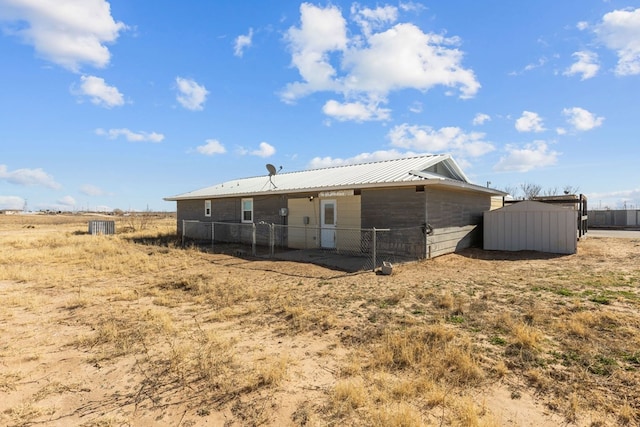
(351, 249)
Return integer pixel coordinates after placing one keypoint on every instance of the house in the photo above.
(428, 198)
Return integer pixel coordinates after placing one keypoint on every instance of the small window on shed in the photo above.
(207, 208)
(247, 210)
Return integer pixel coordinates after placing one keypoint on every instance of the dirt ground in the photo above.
(132, 330)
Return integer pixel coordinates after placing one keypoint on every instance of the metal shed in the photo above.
(530, 225)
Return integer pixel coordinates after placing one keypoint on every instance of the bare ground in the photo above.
(109, 331)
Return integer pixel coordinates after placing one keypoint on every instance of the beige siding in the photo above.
(348, 211)
(348, 223)
(496, 202)
(301, 235)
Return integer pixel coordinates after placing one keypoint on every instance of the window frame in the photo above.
(207, 208)
(242, 210)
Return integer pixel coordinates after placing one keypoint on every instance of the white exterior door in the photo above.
(328, 217)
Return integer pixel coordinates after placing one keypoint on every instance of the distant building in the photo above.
(623, 218)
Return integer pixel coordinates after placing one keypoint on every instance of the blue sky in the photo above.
(117, 104)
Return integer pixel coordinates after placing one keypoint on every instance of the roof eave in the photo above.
(431, 181)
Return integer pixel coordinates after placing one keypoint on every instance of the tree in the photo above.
(511, 190)
(569, 189)
(530, 190)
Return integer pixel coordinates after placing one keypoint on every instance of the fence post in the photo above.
(374, 249)
(213, 234)
(272, 239)
(183, 231)
(253, 239)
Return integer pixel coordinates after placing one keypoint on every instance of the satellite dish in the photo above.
(272, 169)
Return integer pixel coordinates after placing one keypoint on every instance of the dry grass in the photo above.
(131, 329)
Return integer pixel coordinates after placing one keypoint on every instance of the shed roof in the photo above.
(530, 206)
(438, 169)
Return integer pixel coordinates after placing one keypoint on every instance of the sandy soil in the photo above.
(286, 333)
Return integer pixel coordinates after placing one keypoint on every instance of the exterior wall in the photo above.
(305, 236)
(455, 216)
(496, 202)
(189, 210)
(393, 208)
(348, 222)
(301, 235)
(552, 230)
(265, 208)
(399, 209)
(449, 208)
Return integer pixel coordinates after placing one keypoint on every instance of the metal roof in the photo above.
(406, 171)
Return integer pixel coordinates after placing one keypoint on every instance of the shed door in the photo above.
(328, 217)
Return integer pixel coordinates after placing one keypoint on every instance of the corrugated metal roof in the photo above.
(387, 172)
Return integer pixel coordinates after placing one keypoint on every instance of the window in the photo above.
(247, 210)
(207, 208)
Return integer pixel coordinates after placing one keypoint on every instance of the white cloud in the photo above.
(100, 92)
(376, 156)
(535, 65)
(212, 146)
(446, 139)
(130, 135)
(69, 33)
(67, 201)
(92, 190)
(481, 119)
(586, 65)
(11, 202)
(191, 95)
(405, 57)
(532, 156)
(416, 107)
(409, 6)
(265, 150)
(356, 111)
(561, 131)
(581, 119)
(28, 177)
(622, 199)
(374, 63)
(321, 32)
(620, 31)
(529, 67)
(582, 25)
(529, 122)
(242, 42)
(373, 19)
